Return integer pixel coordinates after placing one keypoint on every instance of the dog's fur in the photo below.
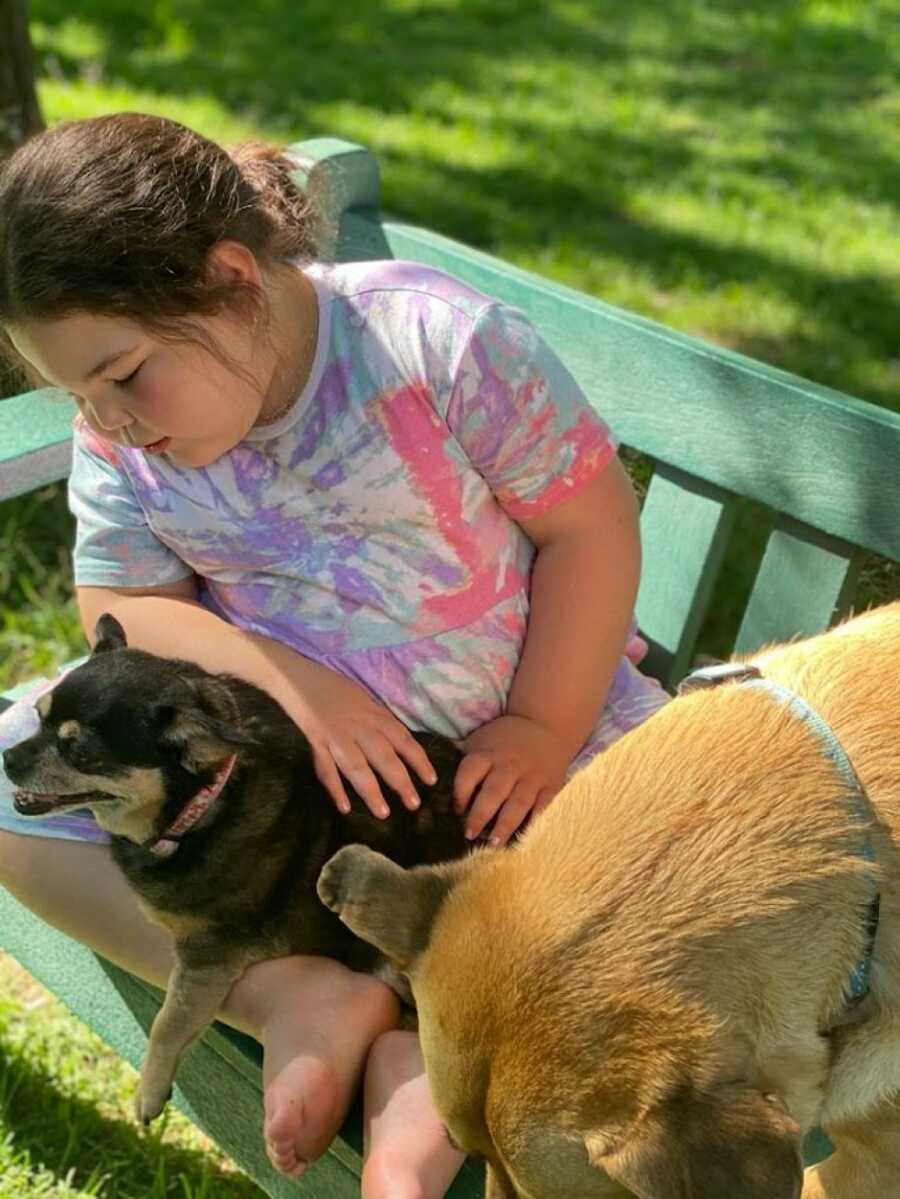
(133, 737)
(648, 994)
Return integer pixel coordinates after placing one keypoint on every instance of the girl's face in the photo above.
(136, 390)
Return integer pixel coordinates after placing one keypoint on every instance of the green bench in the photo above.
(720, 428)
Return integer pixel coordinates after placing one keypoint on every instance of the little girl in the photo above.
(365, 487)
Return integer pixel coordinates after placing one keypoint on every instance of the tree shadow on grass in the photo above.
(71, 1139)
(568, 174)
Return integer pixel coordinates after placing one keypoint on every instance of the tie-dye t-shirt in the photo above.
(373, 528)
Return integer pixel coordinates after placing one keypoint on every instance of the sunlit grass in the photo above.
(66, 1130)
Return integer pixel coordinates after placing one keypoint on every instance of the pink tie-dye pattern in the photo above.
(94, 442)
(588, 460)
(412, 429)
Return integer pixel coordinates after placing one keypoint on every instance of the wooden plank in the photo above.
(806, 581)
(338, 176)
(822, 457)
(685, 525)
(35, 440)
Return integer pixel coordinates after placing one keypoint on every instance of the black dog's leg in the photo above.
(193, 999)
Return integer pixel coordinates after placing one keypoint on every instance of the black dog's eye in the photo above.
(81, 755)
(81, 758)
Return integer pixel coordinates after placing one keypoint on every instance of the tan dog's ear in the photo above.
(391, 908)
(733, 1143)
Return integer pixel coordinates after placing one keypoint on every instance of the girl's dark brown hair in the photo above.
(116, 216)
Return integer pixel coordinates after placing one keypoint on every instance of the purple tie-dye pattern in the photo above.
(373, 528)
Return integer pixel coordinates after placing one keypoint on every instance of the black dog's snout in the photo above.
(18, 760)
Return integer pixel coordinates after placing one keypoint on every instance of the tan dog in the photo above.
(648, 994)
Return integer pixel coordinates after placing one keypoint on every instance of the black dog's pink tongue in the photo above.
(27, 803)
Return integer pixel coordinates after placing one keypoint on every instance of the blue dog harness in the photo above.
(749, 676)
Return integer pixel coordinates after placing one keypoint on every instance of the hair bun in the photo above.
(268, 171)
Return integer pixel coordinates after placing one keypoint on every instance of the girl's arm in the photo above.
(583, 590)
(350, 733)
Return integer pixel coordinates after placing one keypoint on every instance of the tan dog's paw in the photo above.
(345, 877)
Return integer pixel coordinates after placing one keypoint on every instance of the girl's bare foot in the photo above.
(408, 1155)
(316, 1020)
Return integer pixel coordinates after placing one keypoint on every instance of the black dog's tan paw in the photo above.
(148, 1104)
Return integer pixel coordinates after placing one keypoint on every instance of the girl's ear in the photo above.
(109, 635)
(233, 262)
(391, 908)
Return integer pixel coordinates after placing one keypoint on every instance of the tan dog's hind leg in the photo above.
(866, 1160)
(193, 998)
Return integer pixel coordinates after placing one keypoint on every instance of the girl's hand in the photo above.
(520, 766)
(355, 738)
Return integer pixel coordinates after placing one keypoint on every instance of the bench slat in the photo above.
(685, 525)
(763, 433)
(35, 441)
(806, 581)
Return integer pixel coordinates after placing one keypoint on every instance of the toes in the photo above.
(298, 1130)
(282, 1146)
(283, 1156)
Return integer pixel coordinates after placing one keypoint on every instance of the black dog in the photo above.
(218, 822)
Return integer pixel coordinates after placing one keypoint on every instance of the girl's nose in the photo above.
(108, 415)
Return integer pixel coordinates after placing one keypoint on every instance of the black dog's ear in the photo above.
(202, 719)
(109, 634)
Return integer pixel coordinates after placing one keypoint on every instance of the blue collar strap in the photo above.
(749, 676)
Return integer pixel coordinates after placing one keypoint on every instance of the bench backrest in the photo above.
(719, 426)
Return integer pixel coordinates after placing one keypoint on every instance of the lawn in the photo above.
(65, 1123)
(729, 169)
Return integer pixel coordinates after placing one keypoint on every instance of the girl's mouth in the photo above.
(157, 447)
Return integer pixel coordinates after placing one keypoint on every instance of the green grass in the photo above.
(728, 169)
(66, 1130)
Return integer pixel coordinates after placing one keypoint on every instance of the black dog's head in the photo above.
(124, 734)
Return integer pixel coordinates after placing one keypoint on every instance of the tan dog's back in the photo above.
(851, 675)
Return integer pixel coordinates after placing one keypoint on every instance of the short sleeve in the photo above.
(521, 418)
(114, 545)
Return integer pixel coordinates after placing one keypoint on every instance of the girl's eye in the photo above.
(128, 378)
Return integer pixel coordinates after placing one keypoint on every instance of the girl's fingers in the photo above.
(329, 776)
(382, 756)
(544, 800)
(411, 752)
(493, 794)
(470, 772)
(355, 768)
(513, 813)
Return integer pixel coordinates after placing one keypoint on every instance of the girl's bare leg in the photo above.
(316, 1020)
(408, 1155)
